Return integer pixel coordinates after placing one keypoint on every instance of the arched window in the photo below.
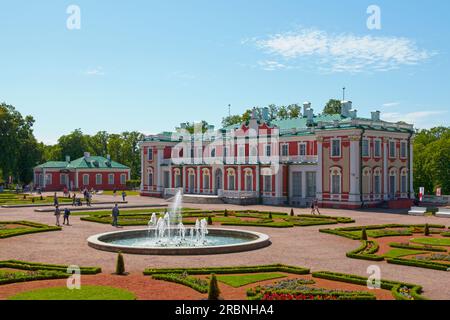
(213, 153)
(336, 180)
(150, 177)
(206, 179)
(393, 182)
(248, 179)
(191, 181)
(177, 176)
(377, 181)
(404, 181)
(231, 173)
(366, 182)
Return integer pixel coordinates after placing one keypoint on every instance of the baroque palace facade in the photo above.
(341, 160)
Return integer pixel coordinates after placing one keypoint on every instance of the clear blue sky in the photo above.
(149, 65)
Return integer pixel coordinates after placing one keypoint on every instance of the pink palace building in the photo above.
(342, 160)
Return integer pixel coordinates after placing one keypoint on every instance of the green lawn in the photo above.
(17, 199)
(432, 241)
(85, 293)
(16, 228)
(237, 281)
(397, 253)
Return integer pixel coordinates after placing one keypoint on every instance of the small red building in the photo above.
(89, 172)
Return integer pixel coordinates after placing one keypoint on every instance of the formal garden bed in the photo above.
(281, 282)
(423, 246)
(17, 228)
(220, 217)
(84, 293)
(7, 199)
(12, 271)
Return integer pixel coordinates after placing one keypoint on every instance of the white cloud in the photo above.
(98, 71)
(343, 52)
(420, 119)
(390, 104)
(271, 65)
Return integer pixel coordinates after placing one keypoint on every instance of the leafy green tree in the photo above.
(74, 145)
(333, 106)
(283, 113)
(294, 111)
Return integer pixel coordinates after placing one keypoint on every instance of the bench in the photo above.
(417, 211)
(443, 213)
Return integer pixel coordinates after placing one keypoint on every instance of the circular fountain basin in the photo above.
(142, 242)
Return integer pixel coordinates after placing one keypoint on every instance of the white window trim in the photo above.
(374, 148)
(406, 149)
(287, 146)
(96, 179)
(299, 148)
(340, 148)
(395, 149)
(265, 150)
(84, 178)
(111, 181)
(368, 155)
(148, 154)
(124, 180)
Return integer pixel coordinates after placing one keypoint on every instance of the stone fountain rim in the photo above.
(262, 240)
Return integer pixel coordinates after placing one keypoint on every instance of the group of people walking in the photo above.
(58, 216)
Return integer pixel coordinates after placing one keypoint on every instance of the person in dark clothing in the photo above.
(66, 216)
(124, 195)
(115, 214)
(55, 199)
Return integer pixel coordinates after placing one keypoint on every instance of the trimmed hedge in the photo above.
(34, 266)
(394, 286)
(231, 270)
(35, 276)
(416, 247)
(186, 281)
(368, 255)
(36, 228)
(314, 294)
(420, 263)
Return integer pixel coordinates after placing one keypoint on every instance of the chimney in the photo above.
(265, 114)
(108, 157)
(375, 115)
(353, 113)
(309, 114)
(87, 155)
(306, 106)
(67, 158)
(346, 106)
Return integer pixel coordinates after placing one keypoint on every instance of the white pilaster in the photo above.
(355, 166)
(239, 178)
(319, 188)
(385, 171)
(411, 172)
(257, 187)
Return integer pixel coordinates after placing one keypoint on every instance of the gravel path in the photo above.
(294, 246)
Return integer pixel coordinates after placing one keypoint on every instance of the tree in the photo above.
(294, 111)
(74, 145)
(120, 264)
(213, 291)
(333, 106)
(364, 234)
(192, 127)
(283, 113)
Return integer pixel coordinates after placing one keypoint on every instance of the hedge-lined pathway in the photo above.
(293, 246)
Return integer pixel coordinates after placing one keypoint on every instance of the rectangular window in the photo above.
(335, 184)
(285, 150)
(365, 148)
(241, 153)
(403, 150)
(178, 181)
(268, 150)
(377, 149)
(392, 153)
(392, 190)
(63, 179)
(267, 183)
(111, 178)
(48, 179)
(302, 149)
(150, 154)
(336, 148)
(123, 178)
(311, 184)
(98, 179)
(249, 182)
(86, 179)
(296, 184)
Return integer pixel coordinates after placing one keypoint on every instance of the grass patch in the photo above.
(10, 199)
(85, 293)
(398, 253)
(17, 228)
(432, 241)
(237, 281)
(119, 193)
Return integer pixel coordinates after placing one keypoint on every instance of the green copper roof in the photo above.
(94, 162)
